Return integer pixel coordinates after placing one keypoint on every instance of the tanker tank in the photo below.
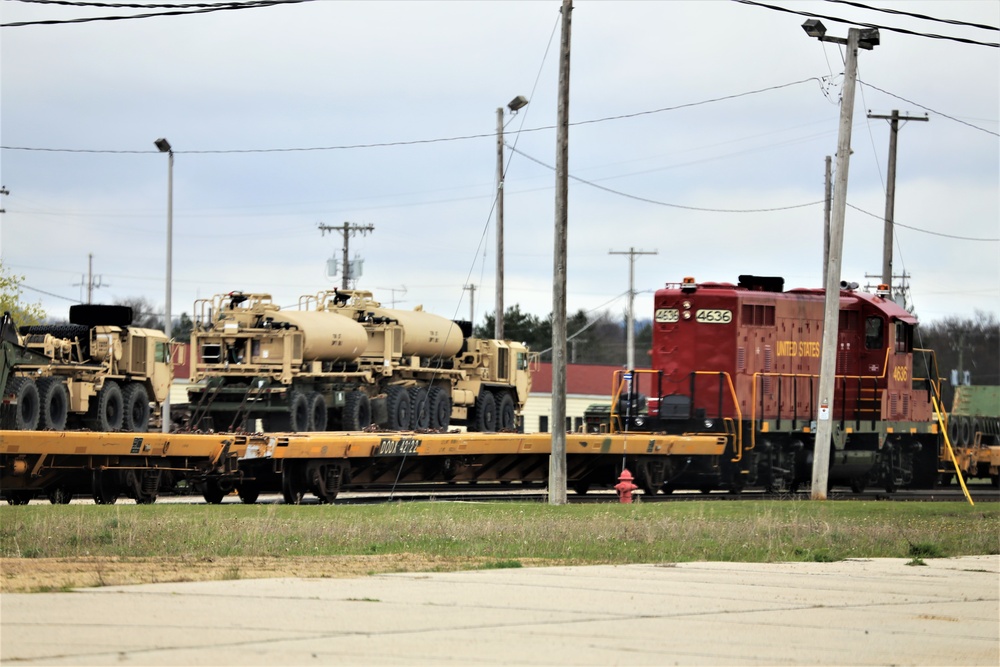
(424, 334)
(326, 337)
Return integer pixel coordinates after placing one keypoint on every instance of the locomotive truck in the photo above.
(743, 360)
(343, 362)
(96, 372)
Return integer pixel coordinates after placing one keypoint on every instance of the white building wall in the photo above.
(539, 405)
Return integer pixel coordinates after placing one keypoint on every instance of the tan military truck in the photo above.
(96, 372)
(343, 362)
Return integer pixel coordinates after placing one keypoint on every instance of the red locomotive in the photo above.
(743, 361)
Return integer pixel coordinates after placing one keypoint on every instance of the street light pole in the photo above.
(164, 147)
(514, 105)
(856, 38)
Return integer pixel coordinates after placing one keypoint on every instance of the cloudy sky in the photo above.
(698, 130)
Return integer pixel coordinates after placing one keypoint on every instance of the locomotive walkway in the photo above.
(856, 612)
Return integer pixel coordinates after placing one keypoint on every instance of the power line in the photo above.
(412, 142)
(56, 296)
(663, 203)
(925, 231)
(914, 15)
(943, 115)
(203, 10)
(125, 5)
(903, 31)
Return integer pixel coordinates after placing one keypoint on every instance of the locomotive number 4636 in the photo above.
(706, 316)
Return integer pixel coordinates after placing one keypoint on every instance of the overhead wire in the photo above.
(903, 31)
(900, 12)
(202, 10)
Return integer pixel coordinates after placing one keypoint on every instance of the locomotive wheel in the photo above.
(506, 419)
(298, 412)
(135, 412)
(317, 411)
(486, 413)
(440, 408)
(859, 483)
(53, 404)
(357, 411)
(104, 485)
(420, 415)
(23, 416)
(397, 402)
(107, 410)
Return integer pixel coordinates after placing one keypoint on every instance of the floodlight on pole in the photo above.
(164, 147)
(514, 105)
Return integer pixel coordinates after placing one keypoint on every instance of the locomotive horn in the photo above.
(849, 286)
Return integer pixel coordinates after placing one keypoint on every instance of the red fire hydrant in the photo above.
(625, 487)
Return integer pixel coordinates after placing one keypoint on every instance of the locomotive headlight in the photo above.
(687, 314)
(686, 305)
(709, 423)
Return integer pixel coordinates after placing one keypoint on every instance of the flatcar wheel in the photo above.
(104, 485)
(214, 493)
(60, 495)
(293, 486)
(18, 497)
(249, 491)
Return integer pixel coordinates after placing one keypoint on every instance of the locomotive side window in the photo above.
(874, 333)
(904, 337)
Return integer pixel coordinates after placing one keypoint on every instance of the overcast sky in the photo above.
(675, 107)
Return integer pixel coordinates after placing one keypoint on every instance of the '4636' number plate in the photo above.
(707, 316)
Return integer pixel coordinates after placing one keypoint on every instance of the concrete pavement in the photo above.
(857, 612)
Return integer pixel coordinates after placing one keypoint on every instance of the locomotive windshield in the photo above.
(874, 333)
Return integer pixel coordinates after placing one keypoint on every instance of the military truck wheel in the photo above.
(317, 411)
(397, 403)
(25, 414)
(440, 408)
(54, 404)
(420, 414)
(107, 411)
(357, 414)
(506, 419)
(485, 420)
(298, 412)
(135, 413)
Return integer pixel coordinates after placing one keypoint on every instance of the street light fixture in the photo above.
(164, 147)
(856, 38)
(514, 105)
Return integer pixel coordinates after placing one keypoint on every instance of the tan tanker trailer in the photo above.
(345, 366)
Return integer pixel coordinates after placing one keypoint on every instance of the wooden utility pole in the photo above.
(630, 317)
(890, 191)
(826, 217)
(557, 459)
(864, 38)
(348, 229)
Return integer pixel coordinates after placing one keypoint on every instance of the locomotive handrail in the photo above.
(942, 420)
(617, 383)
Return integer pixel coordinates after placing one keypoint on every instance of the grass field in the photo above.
(237, 539)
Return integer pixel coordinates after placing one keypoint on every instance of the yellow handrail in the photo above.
(951, 452)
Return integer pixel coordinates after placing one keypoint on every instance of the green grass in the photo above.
(507, 533)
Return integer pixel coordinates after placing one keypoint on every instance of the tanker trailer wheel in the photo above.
(357, 414)
(317, 411)
(506, 419)
(105, 486)
(420, 413)
(440, 408)
(135, 412)
(397, 403)
(485, 420)
(54, 404)
(23, 416)
(107, 409)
